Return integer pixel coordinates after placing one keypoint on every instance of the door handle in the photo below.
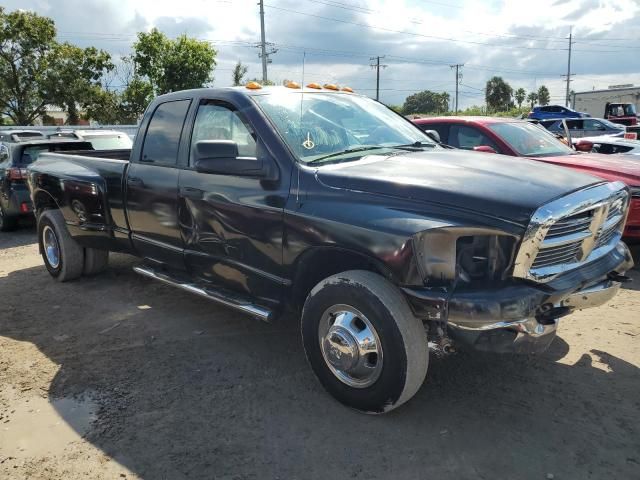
(135, 181)
(192, 193)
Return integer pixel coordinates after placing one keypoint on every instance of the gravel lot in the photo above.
(120, 377)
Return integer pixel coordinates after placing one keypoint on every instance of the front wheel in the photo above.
(363, 341)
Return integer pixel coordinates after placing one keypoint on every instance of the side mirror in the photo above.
(434, 135)
(4, 153)
(584, 146)
(484, 149)
(221, 157)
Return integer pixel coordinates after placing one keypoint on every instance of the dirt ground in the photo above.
(120, 377)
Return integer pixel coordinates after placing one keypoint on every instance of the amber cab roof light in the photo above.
(291, 84)
(347, 89)
(253, 86)
(317, 86)
(331, 86)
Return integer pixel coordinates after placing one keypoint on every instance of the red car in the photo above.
(520, 138)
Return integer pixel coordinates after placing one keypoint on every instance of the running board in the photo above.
(224, 298)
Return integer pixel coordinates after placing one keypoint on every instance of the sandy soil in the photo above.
(120, 377)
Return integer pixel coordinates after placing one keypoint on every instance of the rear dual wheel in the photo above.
(63, 257)
(363, 341)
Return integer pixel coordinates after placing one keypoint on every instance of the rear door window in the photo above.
(575, 124)
(466, 137)
(162, 141)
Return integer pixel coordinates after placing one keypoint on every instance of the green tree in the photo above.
(239, 71)
(520, 95)
(171, 65)
(73, 80)
(532, 98)
(26, 40)
(426, 102)
(498, 94)
(543, 95)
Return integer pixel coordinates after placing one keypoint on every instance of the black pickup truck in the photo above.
(327, 203)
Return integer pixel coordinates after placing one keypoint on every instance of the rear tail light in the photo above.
(17, 173)
(25, 207)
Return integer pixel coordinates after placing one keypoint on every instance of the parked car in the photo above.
(585, 127)
(14, 193)
(555, 111)
(14, 136)
(523, 139)
(100, 139)
(608, 145)
(267, 199)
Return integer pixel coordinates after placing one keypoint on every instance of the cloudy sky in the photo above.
(525, 42)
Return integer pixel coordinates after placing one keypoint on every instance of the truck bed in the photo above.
(88, 187)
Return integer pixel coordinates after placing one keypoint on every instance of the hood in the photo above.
(608, 167)
(492, 185)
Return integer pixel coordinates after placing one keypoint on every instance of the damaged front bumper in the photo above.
(523, 316)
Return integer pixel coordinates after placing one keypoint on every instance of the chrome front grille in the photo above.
(574, 229)
(573, 224)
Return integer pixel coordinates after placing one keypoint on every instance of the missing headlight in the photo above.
(483, 257)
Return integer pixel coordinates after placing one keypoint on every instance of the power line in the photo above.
(365, 10)
(415, 34)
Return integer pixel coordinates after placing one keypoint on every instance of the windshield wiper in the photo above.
(416, 144)
(361, 148)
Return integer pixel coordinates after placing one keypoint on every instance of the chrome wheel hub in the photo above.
(350, 346)
(51, 247)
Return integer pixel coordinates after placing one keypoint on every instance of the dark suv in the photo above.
(14, 159)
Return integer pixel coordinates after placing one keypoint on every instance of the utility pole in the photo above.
(377, 66)
(457, 66)
(569, 74)
(263, 45)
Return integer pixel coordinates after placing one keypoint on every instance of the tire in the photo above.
(70, 255)
(399, 364)
(7, 223)
(95, 261)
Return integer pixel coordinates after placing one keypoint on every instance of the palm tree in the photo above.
(532, 98)
(543, 95)
(520, 95)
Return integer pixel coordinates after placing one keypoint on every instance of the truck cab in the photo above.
(622, 113)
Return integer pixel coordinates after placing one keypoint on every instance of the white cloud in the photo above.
(522, 41)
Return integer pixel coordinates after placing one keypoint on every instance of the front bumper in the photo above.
(523, 316)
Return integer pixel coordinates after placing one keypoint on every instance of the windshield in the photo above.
(530, 140)
(319, 125)
(108, 142)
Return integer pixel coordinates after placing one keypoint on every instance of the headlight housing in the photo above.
(464, 254)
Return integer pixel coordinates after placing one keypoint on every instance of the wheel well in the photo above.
(43, 201)
(318, 264)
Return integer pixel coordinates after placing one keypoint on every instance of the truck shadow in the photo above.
(186, 389)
